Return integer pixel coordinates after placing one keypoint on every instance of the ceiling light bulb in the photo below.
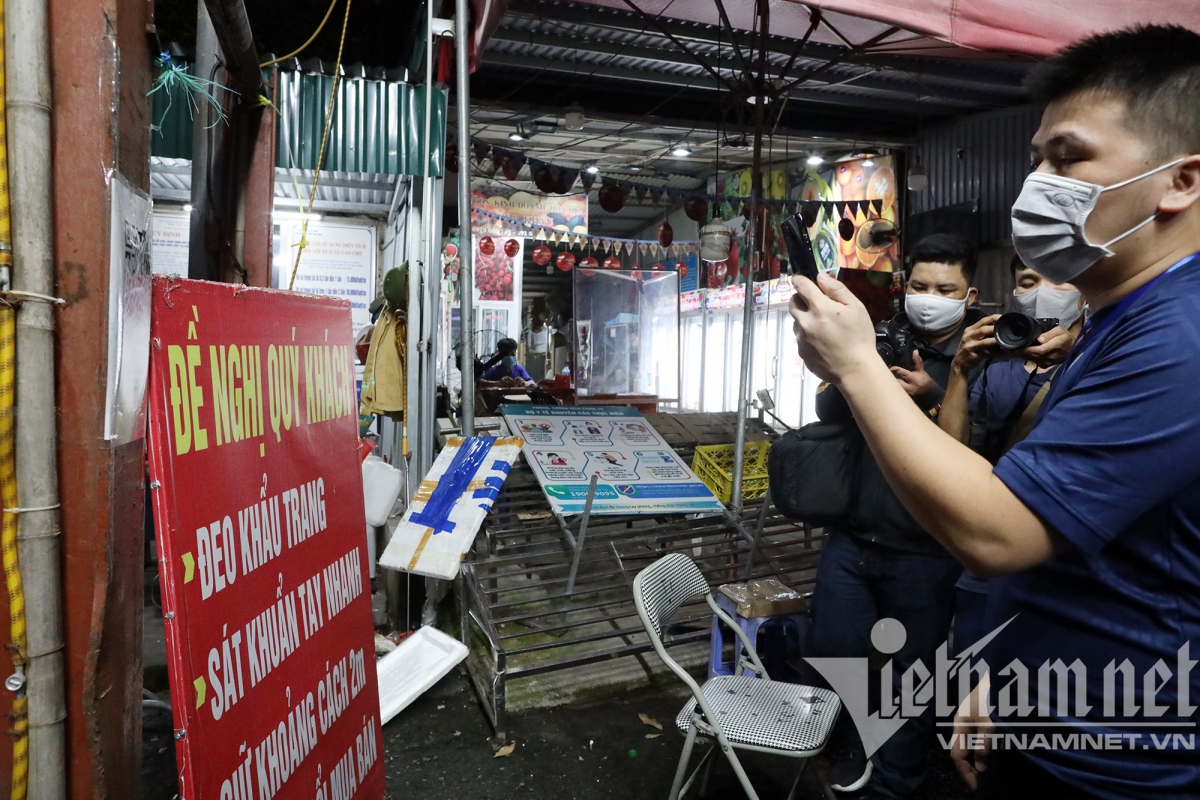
(636, 168)
(868, 163)
(592, 169)
(516, 136)
(815, 160)
(187, 207)
(681, 150)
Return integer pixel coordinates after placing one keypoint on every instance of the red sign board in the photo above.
(258, 508)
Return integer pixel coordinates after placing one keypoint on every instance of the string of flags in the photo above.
(557, 179)
(609, 244)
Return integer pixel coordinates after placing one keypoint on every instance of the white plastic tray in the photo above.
(414, 667)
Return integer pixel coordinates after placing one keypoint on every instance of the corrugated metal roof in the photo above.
(337, 191)
(377, 126)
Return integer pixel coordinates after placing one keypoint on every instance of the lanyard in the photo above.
(1104, 318)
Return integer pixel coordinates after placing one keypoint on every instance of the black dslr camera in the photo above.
(1016, 331)
(894, 344)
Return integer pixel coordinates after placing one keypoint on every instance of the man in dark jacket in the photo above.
(879, 564)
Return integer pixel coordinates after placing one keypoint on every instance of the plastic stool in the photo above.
(774, 661)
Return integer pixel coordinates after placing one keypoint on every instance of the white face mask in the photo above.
(931, 313)
(1048, 223)
(1046, 303)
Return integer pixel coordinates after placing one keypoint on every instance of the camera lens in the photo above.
(1016, 331)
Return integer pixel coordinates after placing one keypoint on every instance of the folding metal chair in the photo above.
(738, 711)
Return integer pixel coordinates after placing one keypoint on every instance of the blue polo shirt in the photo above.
(1113, 465)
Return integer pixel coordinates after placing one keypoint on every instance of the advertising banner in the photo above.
(638, 471)
(502, 210)
(258, 512)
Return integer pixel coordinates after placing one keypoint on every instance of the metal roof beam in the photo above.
(898, 83)
(702, 82)
(1000, 74)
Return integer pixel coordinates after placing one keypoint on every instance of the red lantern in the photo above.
(658, 265)
(511, 248)
(589, 261)
(565, 261)
(451, 250)
(487, 246)
(541, 255)
(665, 234)
(612, 262)
(681, 266)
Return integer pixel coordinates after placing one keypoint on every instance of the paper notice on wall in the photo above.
(637, 471)
(128, 313)
(338, 261)
(169, 241)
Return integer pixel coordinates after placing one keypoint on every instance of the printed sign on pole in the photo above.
(638, 472)
(258, 513)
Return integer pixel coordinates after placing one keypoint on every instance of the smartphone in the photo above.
(801, 260)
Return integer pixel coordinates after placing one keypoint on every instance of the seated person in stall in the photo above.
(998, 410)
(507, 372)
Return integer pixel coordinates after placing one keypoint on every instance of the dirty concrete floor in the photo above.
(441, 748)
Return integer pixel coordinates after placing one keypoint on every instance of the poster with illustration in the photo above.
(871, 179)
(637, 471)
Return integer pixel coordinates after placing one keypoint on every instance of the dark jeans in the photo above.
(1012, 776)
(860, 583)
(969, 611)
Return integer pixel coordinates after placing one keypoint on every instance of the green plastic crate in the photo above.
(713, 465)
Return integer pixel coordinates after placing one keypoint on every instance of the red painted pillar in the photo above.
(260, 198)
(101, 66)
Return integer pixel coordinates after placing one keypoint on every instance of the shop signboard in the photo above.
(258, 510)
(637, 471)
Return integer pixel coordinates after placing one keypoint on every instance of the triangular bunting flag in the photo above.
(643, 248)
(629, 247)
(607, 246)
(587, 179)
(878, 206)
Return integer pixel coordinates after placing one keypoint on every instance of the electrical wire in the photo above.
(316, 33)
(337, 74)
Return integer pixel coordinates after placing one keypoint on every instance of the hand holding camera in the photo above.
(978, 342)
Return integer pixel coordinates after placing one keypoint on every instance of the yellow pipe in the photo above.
(8, 473)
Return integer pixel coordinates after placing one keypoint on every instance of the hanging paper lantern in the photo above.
(541, 255)
(589, 261)
(565, 260)
(487, 246)
(612, 197)
(666, 234)
(612, 262)
(681, 268)
(511, 248)
(696, 209)
(658, 265)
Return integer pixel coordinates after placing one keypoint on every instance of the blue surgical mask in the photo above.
(508, 361)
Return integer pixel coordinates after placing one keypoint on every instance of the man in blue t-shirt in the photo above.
(1093, 521)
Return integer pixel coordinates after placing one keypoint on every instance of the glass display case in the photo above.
(627, 332)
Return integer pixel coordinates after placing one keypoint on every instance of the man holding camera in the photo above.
(1016, 355)
(879, 563)
(1093, 520)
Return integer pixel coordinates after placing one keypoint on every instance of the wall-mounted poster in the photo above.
(637, 471)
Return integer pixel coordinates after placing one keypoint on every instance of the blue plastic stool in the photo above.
(774, 661)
